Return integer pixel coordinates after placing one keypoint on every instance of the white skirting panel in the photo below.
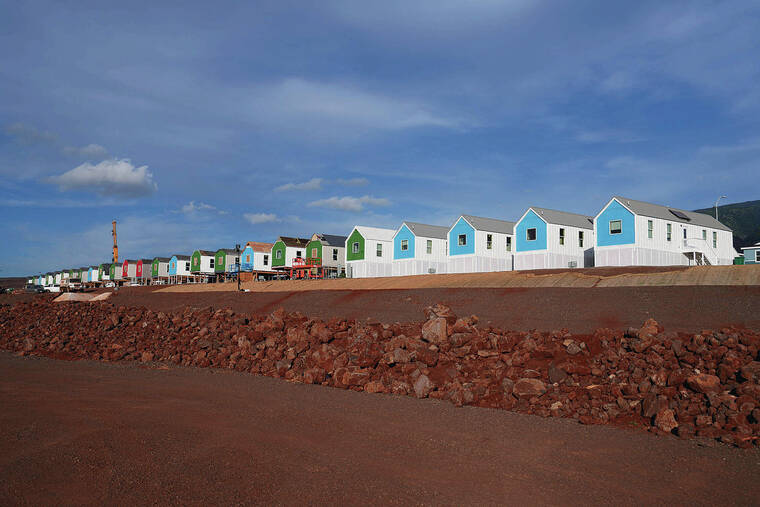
(546, 260)
(635, 256)
(409, 267)
(478, 264)
(368, 269)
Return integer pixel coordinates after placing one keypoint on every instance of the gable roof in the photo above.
(490, 224)
(332, 239)
(226, 251)
(162, 259)
(206, 253)
(752, 247)
(182, 257)
(294, 242)
(375, 233)
(258, 246)
(664, 212)
(553, 216)
(427, 231)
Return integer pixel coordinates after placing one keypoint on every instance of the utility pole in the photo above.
(237, 264)
(716, 205)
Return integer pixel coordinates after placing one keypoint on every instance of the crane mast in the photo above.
(115, 258)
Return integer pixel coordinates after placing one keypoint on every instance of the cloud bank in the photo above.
(108, 178)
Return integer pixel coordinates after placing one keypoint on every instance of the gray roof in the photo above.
(553, 216)
(182, 257)
(657, 211)
(491, 224)
(162, 259)
(427, 231)
(332, 240)
(206, 253)
(227, 250)
(293, 242)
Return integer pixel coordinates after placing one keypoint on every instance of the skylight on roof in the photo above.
(679, 214)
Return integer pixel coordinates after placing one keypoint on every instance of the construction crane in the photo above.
(115, 247)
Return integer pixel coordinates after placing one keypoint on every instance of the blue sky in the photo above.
(202, 125)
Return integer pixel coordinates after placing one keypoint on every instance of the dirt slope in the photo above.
(92, 433)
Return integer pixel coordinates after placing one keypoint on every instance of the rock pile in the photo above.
(691, 385)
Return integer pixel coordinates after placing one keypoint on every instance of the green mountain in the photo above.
(743, 218)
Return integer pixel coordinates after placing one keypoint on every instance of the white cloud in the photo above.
(91, 151)
(261, 218)
(111, 177)
(337, 110)
(193, 207)
(350, 203)
(312, 184)
(353, 182)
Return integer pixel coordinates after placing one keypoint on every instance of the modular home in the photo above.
(419, 249)
(202, 263)
(257, 259)
(752, 254)
(637, 233)
(143, 271)
(57, 277)
(159, 269)
(116, 273)
(226, 261)
(285, 249)
(478, 244)
(129, 270)
(551, 239)
(179, 269)
(329, 251)
(104, 271)
(369, 252)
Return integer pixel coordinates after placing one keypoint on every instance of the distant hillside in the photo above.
(743, 218)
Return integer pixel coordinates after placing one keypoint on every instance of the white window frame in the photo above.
(509, 243)
(266, 260)
(429, 246)
(462, 240)
(379, 250)
(314, 252)
(404, 245)
(335, 254)
(580, 239)
(669, 232)
(355, 247)
(298, 254)
(527, 234)
(757, 255)
(278, 254)
(704, 234)
(489, 241)
(561, 236)
(187, 265)
(715, 239)
(211, 263)
(650, 229)
(620, 230)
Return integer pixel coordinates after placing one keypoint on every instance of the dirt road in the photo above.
(93, 433)
(581, 310)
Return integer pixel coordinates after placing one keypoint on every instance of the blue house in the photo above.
(419, 249)
(638, 233)
(752, 254)
(551, 239)
(179, 269)
(477, 244)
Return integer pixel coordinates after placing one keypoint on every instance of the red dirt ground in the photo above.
(581, 310)
(94, 433)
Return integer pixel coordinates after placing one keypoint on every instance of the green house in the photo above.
(226, 260)
(285, 249)
(329, 251)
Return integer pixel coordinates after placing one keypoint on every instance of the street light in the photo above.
(716, 205)
(237, 264)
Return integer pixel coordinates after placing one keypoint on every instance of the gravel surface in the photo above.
(580, 310)
(94, 433)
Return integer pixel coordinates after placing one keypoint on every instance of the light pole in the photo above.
(716, 205)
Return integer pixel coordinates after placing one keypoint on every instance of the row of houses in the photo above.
(625, 232)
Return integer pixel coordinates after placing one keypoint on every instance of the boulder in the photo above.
(434, 330)
(704, 383)
(665, 420)
(529, 387)
(422, 386)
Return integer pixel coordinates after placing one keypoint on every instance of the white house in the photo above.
(419, 249)
(179, 269)
(285, 249)
(477, 244)
(330, 249)
(369, 252)
(550, 239)
(636, 233)
(257, 259)
(202, 262)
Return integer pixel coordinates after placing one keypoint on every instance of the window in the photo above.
(715, 239)
(379, 250)
(335, 254)
(404, 245)
(669, 233)
(650, 229)
(314, 253)
(355, 247)
(530, 234)
(561, 235)
(462, 240)
(616, 226)
(684, 233)
(211, 263)
(278, 254)
(580, 239)
(266, 260)
(247, 257)
(509, 243)
(757, 255)
(704, 234)
(187, 266)
(237, 260)
(429, 246)
(298, 253)
(489, 241)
